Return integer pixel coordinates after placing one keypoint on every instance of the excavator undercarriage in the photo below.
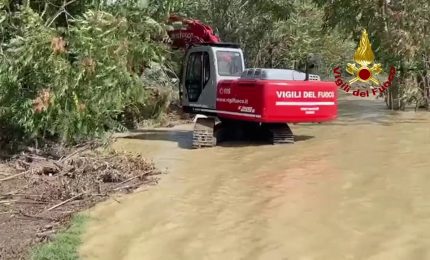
(204, 134)
(208, 132)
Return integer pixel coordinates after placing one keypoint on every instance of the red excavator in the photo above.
(228, 99)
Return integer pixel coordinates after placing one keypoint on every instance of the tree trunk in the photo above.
(394, 91)
(425, 82)
(393, 96)
(388, 99)
(421, 82)
(393, 102)
(270, 51)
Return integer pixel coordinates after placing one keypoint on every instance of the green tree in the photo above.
(75, 82)
(299, 38)
(246, 22)
(398, 30)
(280, 34)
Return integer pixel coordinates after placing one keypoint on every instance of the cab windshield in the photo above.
(229, 63)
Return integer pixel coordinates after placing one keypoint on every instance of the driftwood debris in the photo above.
(57, 179)
(47, 186)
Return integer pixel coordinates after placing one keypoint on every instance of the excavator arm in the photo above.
(190, 32)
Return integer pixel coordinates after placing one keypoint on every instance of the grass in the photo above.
(65, 244)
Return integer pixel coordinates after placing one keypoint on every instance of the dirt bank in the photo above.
(40, 191)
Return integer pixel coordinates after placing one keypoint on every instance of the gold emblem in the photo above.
(364, 57)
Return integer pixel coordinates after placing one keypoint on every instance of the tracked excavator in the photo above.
(231, 100)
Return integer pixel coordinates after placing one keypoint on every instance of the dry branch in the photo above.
(36, 217)
(65, 201)
(127, 187)
(13, 176)
(78, 151)
(7, 201)
(135, 177)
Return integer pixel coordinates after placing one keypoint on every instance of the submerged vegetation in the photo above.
(76, 70)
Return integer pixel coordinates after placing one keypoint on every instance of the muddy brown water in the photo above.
(356, 188)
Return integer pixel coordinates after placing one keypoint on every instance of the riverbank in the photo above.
(41, 191)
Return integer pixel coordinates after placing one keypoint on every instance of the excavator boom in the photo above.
(190, 32)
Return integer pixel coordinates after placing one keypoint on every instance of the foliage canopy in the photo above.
(72, 70)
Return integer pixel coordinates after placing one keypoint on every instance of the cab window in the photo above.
(198, 74)
(229, 63)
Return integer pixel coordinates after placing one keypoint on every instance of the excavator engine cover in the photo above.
(277, 96)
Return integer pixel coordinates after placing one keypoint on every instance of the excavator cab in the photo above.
(204, 66)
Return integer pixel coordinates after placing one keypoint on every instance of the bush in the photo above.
(74, 84)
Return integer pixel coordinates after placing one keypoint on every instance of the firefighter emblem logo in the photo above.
(364, 57)
(364, 71)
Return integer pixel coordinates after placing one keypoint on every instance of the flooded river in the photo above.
(356, 188)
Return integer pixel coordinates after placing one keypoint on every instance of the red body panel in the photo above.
(273, 101)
